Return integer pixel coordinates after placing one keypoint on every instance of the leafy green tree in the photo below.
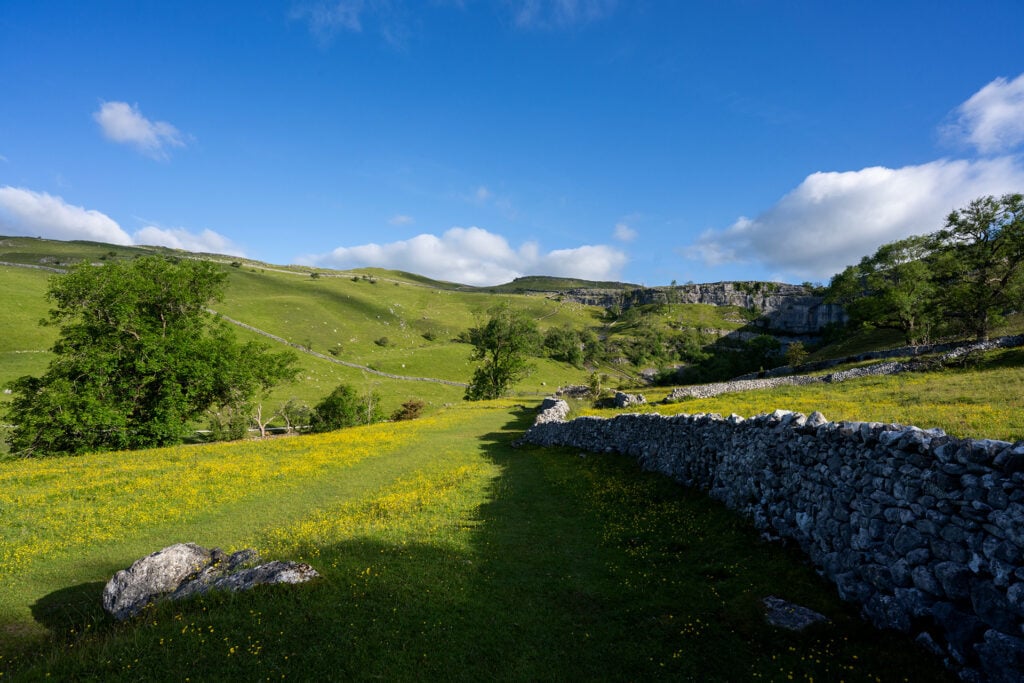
(893, 288)
(981, 262)
(564, 344)
(796, 353)
(344, 407)
(503, 343)
(138, 359)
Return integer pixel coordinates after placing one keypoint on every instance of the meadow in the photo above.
(444, 551)
(444, 554)
(984, 401)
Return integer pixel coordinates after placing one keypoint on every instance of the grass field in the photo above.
(985, 401)
(444, 554)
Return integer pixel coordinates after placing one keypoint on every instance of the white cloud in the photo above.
(401, 219)
(992, 120)
(831, 220)
(547, 14)
(475, 256)
(624, 233)
(124, 123)
(207, 241)
(38, 214)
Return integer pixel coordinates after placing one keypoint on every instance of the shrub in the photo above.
(343, 407)
(382, 342)
(410, 410)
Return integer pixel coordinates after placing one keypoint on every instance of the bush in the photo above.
(343, 407)
(382, 342)
(410, 410)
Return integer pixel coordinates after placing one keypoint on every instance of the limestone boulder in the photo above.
(186, 569)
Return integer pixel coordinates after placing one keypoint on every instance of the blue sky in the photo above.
(477, 141)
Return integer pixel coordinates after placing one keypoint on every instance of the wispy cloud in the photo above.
(624, 233)
(552, 14)
(475, 256)
(38, 214)
(992, 120)
(124, 123)
(831, 220)
(401, 219)
(482, 194)
(327, 18)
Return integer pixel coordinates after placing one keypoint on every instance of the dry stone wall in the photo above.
(923, 530)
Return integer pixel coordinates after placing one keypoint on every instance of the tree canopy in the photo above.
(956, 281)
(503, 343)
(137, 360)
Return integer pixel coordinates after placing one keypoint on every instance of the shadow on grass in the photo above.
(579, 568)
(71, 610)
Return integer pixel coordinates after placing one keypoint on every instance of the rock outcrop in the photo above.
(786, 309)
(186, 569)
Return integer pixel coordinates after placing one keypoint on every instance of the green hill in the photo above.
(382, 321)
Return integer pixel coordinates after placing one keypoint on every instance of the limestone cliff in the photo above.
(787, 309)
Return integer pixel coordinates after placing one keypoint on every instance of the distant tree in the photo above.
(344, 407)
(137, 360)
(763, 351)
(410, 410)
(295, 414)
(564, 344)
(796, 354)
(503, 343)
(980, 263)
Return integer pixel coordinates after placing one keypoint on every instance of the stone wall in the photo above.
(923, 530)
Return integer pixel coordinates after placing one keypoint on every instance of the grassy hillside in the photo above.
(389, 321)
(444, 554)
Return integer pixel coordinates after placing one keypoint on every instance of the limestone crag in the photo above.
(788, 309)
(923, 530)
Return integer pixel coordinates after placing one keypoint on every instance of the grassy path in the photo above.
(446, 554)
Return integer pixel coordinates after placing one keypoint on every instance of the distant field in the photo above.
(982, 402)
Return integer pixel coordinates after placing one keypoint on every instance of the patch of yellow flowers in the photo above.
(57, 504)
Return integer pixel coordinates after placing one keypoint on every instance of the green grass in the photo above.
(444, 554)
(985, 402)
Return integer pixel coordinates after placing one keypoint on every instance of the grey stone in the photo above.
(955, 580)
(789, 616)
(186, 569)
(1002, 657)
(159, 573)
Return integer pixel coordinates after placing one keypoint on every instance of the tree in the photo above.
(981, 261)
(138, 359)
(564, 344)
(344, 407)
(503, 343)
(894, 288)
(796, 354)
